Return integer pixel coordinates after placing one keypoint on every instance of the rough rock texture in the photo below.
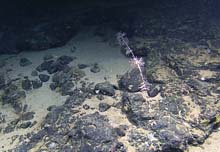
(104, 88)
(131, 81)
(89, 133)
(52, 66)
(2, 80)
(13, 95)
(44, 77)
(25, 62)
(36, 83)
(26, 84)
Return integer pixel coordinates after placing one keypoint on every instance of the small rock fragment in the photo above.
(26, 84)
(36, 83)
(95, 68)
(103, 107)
(44, 77)
(25, 62)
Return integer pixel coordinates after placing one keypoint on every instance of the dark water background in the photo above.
(19, 17)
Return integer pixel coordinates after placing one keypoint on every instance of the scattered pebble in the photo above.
(36, 83)
(103, 107)
(25, 62)
(95, 68)
(44, 77)
(34, 73)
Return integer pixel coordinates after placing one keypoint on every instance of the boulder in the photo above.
(105, 88)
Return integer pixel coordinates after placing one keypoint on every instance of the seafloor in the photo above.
(84, 96)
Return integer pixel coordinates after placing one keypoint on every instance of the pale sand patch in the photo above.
(210, 145)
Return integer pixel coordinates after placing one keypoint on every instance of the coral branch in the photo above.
(135, 61)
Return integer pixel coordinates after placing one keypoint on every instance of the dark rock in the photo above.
(65, 59)
(196, 84)
(67, 88)
(55, 67)
(48, 57)
(73, 49)
(120, 147)
(77, 73)
(25, 125)
(169, 148)
(25, 62)
(34, 73)
(154, 90)
(9, 129)
(2, 81)
(26, 84)
(100, 97)
(137, 109)
(52, 66)
(95, 68)
(118, 105)
(217, 89)
(38, 136)
(211, 67)
(13, 96)
(11, 126)
(25, 77)
(60, 78)
(64, 79)
(105, 88)
(173, 138)
(50, 108)
(96, 131)
(173, 105)
(53, 86)
(131, 81)
(201, 87)
(33, 123)
(214, 44)
(44, 77)
(90, 132)
(45, 66)
(120, 132)
(103, 107)
(83, 66)
(28, 116)
(67, 148)
(76, 99)
(14, 122)
(45, 35)
(214, 80)
(53, 115)
(2, 118)
(182, 69)
(36, 84)
(66, 69)
(25, 108)
(86, 107)
(17, 107)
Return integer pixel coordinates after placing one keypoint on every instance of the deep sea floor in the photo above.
(85, 96)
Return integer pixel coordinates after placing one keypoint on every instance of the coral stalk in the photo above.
(135, 61)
